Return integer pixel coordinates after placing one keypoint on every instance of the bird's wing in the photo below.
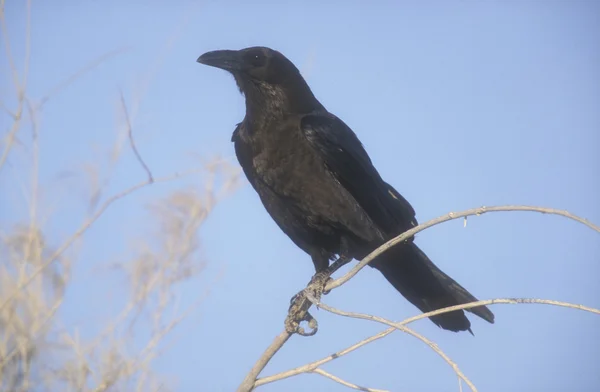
(346, 158)
(243, 153)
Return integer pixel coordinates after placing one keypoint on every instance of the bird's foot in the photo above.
(297, 313)
(300, 303)
(317, 284)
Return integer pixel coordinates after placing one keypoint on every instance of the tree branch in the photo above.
(250, 381)
(313, 365)
(402, 328)
(445, 218)
(500, 301)
(345, 383)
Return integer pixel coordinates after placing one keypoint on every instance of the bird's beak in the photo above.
(228, 60)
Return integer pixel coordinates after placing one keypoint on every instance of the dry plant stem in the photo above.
(12, 134)
(345, 383)
(451, 216)
(248, 383)
(132, 141)
(20, 86)
(86, 225)
(402, 328)
(314, 365)
(65, 83)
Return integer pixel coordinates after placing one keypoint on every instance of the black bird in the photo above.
(317, 182)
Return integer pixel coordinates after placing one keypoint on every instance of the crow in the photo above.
(319, 185)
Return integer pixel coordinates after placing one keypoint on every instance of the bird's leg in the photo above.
(341, 261)
(336, 265)
(299, 304)
(320, 279)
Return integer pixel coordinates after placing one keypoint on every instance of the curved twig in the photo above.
(132, 141)
(400, 327)
(345, 383)
(500, 301)
(313, 365)
(451, 216)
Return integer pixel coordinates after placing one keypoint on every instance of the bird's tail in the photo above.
(420, 281)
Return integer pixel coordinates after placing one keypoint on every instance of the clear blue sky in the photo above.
(459, 103)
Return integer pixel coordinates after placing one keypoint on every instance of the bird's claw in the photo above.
(297, 313)
(318, 282)
(300, 303)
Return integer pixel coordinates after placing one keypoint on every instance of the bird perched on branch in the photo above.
(317, 182)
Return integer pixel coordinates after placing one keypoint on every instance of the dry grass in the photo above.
(38, 350)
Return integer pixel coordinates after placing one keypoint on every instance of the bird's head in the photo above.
(256, 63)
(263, 74)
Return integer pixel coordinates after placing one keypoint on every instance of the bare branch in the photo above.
(313, 365)
(132, 142)
(345, 383)
(501, 301)
(451, 216)
(402, 328)
(248, 383)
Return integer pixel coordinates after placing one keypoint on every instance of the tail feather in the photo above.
(420, 281)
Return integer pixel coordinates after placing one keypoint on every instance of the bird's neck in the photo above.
(266, 102)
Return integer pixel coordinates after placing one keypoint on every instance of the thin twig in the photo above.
(345, 383)
(313, 365)
(19, 87)
(65, 83)
(248, 383)
(400, 327)
(9, 57)
(501, 301)
(27, 60)
(86, 225)
(12, 134)
(132, 141)
(450, 216)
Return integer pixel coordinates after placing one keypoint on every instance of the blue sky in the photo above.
(460, 104)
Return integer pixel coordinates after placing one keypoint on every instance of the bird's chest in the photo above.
(288, 164)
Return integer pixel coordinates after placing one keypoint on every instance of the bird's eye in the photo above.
(257, 59)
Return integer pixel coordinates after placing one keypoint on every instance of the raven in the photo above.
(319, 185)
